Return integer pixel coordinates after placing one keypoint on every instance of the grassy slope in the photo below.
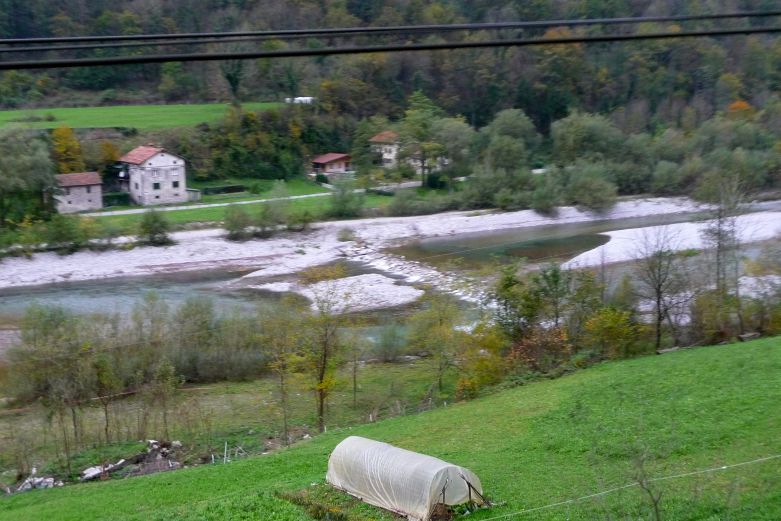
(531, 446)
(145, 117)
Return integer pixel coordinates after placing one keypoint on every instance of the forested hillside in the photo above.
(641, 85)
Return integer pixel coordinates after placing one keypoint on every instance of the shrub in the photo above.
(153, 229)
(592, 192)
(65, 234)
(322, 179)
(345, 202)
(612, 332)
(346, 235)
(299, 221)
(237, 223)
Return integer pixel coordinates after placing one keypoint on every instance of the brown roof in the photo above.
(79, 179)
(331, 157)
(387, 136)
(140, 154)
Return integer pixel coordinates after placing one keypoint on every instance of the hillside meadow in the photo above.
(533, 445)
(142, 117)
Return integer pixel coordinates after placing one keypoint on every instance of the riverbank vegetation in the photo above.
(101, 379)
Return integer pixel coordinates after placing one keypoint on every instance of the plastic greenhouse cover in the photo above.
(398, 480)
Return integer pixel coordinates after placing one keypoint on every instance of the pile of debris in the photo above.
(34, 482)
(159, 456)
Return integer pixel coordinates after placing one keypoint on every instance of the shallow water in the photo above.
(118, 295)
(539, 244)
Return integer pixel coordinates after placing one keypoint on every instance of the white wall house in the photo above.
(153, 176)
(79, 192)
(386, 146)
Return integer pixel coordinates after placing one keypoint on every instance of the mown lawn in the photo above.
(143, 117)
(532, 446)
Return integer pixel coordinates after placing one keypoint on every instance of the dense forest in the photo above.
(641, 85)
(666, 117)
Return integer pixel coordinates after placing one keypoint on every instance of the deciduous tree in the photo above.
(67, 151)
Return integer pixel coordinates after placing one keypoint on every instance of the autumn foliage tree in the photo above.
(67, 151)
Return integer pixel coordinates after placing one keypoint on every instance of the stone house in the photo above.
(154, 176)
(79, 192)
(331, 163)
(386, 146)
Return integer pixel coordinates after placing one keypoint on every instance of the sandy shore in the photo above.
(289, 253)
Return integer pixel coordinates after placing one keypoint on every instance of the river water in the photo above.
(474, 250)
(539, 244)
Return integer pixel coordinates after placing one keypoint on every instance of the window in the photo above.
(175, 184)
(157, 197)
(89, 189)
(155, 186)
(67, 192)
(136, 186)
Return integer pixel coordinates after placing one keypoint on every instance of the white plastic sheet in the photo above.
(398, 480)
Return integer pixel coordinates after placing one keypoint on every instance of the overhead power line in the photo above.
(329, 51)
(406, 29)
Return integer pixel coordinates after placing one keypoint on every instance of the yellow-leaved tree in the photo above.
(67, 151)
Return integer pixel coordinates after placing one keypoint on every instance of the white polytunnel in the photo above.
(399, 480)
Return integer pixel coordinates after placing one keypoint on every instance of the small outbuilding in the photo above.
(79, 192)
(402, 481)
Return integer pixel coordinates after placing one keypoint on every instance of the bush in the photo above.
(592, 193)
(345, 202)
(346, 235)
(153, 229)
(322, 179)
(65, 234)
(237, 223)
(299, 221)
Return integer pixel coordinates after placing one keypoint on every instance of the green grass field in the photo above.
(317, 206)
(535, 445)
(143, 117)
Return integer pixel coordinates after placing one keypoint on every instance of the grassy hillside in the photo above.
(534, 445)
(143, 117)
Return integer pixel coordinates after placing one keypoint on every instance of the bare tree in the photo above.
(646, 485)
(280, 338)
(722, 235)
(322, 343)
(660, 275)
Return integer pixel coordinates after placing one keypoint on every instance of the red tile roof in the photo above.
(79, 179)
(140, 154)
(330, 158)
(387, 136)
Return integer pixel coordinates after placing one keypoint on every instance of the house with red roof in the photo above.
(154, 176)
(386, 146)
(332, 163)
(78, 192)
